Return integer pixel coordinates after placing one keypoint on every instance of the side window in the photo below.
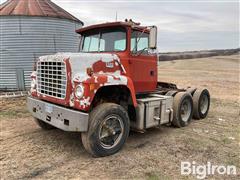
(142, 43)
(139, 38)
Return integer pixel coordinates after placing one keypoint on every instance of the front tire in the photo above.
(108, 130)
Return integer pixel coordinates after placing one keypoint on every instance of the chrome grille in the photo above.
(51, 79)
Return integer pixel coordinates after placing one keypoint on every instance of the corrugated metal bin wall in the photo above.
(24, 38)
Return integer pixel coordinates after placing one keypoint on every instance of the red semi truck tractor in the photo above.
(110, 86)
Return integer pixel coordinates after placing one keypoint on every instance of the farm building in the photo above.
(29, 29)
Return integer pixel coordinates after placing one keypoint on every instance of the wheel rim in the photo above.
(111, 131)
(186, 110)
(204, 104)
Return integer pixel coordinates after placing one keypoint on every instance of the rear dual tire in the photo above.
(182, 109)
(194, 103)
(201, 103)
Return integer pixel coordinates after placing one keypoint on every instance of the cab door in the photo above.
(142, 64)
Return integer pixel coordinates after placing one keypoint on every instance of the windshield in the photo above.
(104, 40)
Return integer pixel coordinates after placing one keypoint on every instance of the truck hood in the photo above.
(100, 63)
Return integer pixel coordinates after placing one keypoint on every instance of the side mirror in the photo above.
(153, 38)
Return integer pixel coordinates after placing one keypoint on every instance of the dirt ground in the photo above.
(29, 152)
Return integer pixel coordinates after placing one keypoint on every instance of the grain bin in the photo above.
(29, 29)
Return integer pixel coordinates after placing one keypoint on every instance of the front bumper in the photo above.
(58, 116)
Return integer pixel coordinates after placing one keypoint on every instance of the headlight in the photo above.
(33, 84)
(79, 91)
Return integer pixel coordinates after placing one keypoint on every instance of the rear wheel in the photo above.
(43, 125)
(182, 109)
(108, 130)
(201, 103)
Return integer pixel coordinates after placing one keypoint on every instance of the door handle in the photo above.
(129, 61)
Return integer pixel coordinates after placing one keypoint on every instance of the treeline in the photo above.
(196, 54)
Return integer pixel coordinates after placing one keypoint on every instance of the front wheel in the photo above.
(108, 130)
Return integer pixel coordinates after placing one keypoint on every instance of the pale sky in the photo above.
(182, 25)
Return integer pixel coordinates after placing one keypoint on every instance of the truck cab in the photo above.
(109, 87)
(130, 42)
